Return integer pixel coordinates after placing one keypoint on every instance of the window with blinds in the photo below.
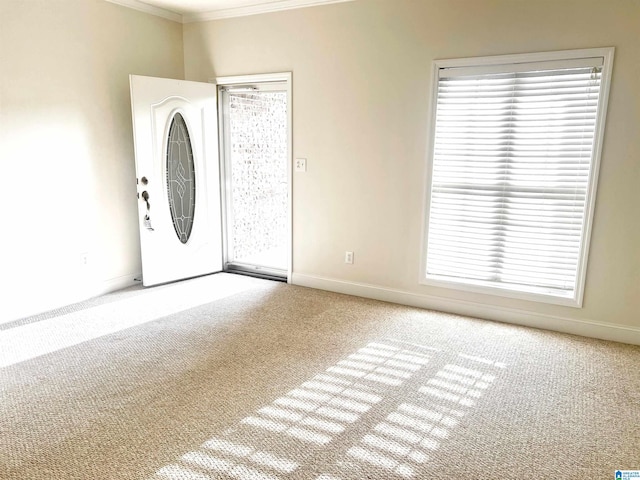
(514, 166)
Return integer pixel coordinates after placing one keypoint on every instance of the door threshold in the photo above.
(257, 272)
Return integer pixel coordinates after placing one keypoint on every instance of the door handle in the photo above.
(147, 219)
(145, 197)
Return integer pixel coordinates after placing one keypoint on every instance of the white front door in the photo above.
(177, 169)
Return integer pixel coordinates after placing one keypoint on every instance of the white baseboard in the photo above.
(40, 302)
(114, 284)
(585, 328)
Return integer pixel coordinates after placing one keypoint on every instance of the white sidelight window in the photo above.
(514, 156)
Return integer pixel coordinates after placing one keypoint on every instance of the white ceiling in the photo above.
(202, 10)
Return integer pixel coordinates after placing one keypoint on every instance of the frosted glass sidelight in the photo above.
(257, 149)
(181, 185)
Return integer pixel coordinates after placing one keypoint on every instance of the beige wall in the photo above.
(361, 89)
(66, 159)
(361, 77)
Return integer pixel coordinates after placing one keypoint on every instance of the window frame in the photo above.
(607, 55)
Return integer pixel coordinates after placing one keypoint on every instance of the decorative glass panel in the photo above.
(181, 184)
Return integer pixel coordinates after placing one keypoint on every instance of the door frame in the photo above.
(239, 80)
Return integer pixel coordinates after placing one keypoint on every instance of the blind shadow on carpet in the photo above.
(381, 412)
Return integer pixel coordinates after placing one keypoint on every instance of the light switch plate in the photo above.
(301, 164)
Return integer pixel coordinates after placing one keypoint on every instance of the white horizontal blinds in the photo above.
(512, 158)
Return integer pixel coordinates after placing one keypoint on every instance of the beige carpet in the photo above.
(272, 381)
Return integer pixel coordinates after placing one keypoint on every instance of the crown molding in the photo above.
(146, 8)
(275, 6)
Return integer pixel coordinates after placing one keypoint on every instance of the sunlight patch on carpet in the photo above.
(399, 434)
(32, 340)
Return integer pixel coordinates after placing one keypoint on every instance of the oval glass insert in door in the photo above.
(181, 185)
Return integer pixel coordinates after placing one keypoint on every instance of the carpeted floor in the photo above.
(236, 378)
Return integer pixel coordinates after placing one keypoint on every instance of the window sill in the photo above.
(532, 294)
